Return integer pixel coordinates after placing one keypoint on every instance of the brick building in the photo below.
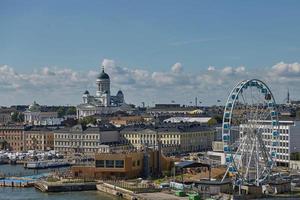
(13, 136)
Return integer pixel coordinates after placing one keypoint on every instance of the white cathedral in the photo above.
(102, 102)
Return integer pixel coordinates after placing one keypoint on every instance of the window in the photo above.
(109, 163)
(99, 163)
(119, 163)
(138, 163)
(133, 163)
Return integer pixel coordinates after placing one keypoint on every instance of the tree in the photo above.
(71, 111)
(218, 118)
(212, 122)
(88, 120)
(61, 111)
(298, 114)
(17, 117)
(295, 156)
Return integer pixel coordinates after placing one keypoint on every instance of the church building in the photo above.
(103, 102)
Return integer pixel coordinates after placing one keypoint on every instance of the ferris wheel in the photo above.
(250, 112)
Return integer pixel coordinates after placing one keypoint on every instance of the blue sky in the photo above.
(147, 35)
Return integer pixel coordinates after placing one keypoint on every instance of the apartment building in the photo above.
(84, 139)
(13, 137)
(289, 139)
(38, 138)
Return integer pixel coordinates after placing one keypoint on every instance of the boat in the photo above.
(46, 164)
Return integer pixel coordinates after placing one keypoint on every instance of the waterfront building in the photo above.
(13, 136)
(103, 102)
(34, 116)
(84, 139)
(289, 140)
(130, 164)
(38, 138)
(174, 138)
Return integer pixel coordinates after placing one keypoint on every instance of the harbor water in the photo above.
(14, 193)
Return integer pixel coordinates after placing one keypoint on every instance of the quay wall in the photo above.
(65, 187)
(116, 191)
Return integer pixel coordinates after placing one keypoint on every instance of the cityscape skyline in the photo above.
(51, 51)
(176, 85)
(144, 100)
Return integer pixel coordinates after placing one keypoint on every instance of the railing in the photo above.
(132, 186)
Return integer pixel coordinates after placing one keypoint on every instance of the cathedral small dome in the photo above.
(86, 92)
(120, 92)
(103, 75)
(34, 107)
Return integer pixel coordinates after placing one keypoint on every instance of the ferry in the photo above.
(46, 164)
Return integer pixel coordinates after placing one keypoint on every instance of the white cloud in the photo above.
(240, 69)
(177, 67)
(162, 78)
(108, 63)
(54, 85)
(285, 69)
(211, 68)
(227, 70)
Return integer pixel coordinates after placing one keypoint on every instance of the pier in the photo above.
(14, 182)
(64, 187)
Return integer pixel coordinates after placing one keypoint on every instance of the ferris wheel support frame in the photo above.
(226, 127)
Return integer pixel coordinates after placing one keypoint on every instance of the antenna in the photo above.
(288, 96)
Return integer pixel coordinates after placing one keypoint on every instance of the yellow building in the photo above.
(175, 138)
(125, 165)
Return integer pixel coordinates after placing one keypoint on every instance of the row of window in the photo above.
(283, 150)
(77, 143)
(12, 131)
(281, 137)
(110, 163)
(283, 131)
(11, 137)
(282, 157)
(73, 136)
(281, 144)
(71, 149)
(166, 135)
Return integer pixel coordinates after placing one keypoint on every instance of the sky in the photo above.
(155, 51)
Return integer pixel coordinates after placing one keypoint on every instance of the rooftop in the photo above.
(168, 127)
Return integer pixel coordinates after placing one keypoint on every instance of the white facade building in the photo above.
(34, 116)
(83, 140)
(103, 102)
(188, 119)
(289, 139)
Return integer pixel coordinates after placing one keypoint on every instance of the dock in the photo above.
(134, 195)
(64, 187)
(15, 182)
(25, 181)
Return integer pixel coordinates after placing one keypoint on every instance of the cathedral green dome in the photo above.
(103, 75)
